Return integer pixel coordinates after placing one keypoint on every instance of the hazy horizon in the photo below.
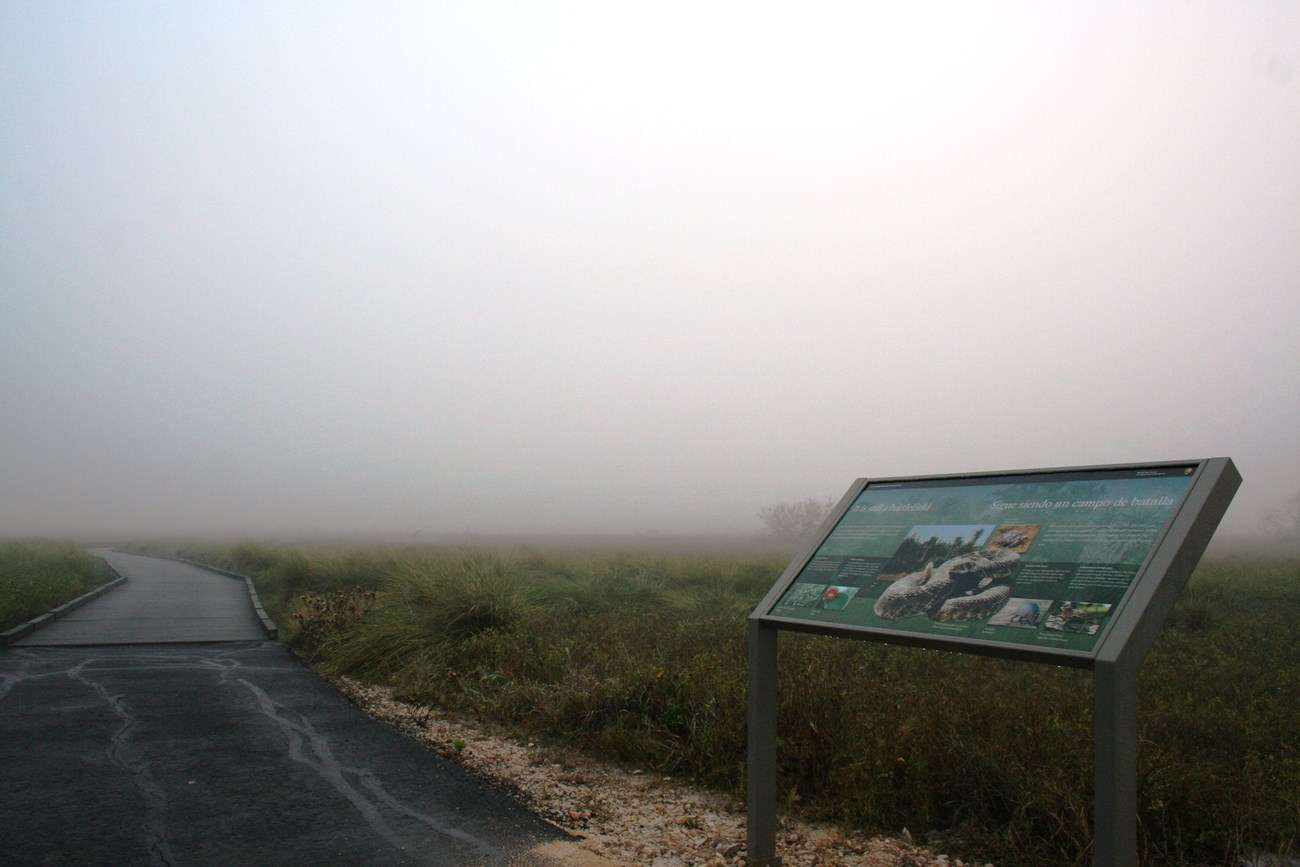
(304, 269)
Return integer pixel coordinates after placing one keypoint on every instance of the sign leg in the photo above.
(1114, 734)
(761, 754)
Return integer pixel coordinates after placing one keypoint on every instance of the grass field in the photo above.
(36, 576)
(641, 658)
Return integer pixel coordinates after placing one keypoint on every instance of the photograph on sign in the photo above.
(1039, 559)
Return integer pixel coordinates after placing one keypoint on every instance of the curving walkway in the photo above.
(162, 602)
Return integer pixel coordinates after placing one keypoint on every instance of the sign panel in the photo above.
(1039, 562)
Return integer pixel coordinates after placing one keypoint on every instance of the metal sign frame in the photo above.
(1128, 633)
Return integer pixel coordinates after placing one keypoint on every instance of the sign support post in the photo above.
(760, 768)
(1114, 734)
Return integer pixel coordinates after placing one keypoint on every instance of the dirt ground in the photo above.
(629, 816)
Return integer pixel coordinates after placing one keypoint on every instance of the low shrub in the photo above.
(324, 617)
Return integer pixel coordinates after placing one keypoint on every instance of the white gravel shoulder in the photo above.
(627, 816)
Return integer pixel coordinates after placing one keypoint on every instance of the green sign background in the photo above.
(1040, 562)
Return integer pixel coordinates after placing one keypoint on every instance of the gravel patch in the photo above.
(629, 816)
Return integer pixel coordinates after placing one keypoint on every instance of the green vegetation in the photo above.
(36, 576)
(641, 659)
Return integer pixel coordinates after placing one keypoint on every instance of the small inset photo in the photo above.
(1015, 537)
(836, 598)
(1021, 613)
(803, 595)
(1080, 618)
(934, 543)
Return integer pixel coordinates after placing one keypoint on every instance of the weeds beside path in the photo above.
(37, 576)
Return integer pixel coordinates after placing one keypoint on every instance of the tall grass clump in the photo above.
(1220, 716)
(641, 659)
(37, 576)
(631, 656)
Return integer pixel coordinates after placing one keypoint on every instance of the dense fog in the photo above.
(416, 269)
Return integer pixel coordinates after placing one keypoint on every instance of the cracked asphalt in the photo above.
(225, 752)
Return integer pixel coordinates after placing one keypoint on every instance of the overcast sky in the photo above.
(296, 267)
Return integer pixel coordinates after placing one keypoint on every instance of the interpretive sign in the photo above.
(1039, 562)
(1075, 566)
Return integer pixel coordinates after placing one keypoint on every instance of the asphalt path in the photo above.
(225, 752)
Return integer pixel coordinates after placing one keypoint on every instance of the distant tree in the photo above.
(794, 522)
(1285, 520)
